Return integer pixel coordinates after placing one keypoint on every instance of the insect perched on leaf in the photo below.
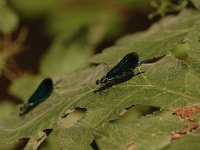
(42, 92)
(122, 72)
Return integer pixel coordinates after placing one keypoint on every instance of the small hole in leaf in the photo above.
(47, 131)
(134, 112)
(72, 117)
(80, 109)
(22, 143)
(94, 145)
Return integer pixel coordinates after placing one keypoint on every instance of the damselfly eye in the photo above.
(104, 79)
(97, 81)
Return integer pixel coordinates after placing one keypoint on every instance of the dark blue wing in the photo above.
(129, 62)
(43, 91)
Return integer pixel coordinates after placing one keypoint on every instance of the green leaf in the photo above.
(33, 124)
(155, 87)
(190, 141)
(194, 44)
(6, 109)
(74, 140)
(167, 84)
(148, 132)
(9, 146)
(158, 40)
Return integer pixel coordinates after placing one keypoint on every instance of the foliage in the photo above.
(138, 114)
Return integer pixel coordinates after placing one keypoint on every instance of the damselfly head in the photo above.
(97, 81)
(102, 81)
